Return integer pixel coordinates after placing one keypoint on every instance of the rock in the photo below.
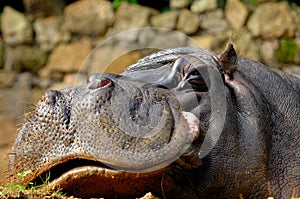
(222, 38)
(246, 46)
(24, 81)
(291, 69)
(128, 39)
(178, 4)
(25, 58)
(204, 41)
(200, 6)
(162, 39)
(44, 73)
(272, 20)
(146, 37)
(88, 17)
(130, 16)
(57, 76)
(74, 79)
(38, 8)
(267, 52)
(120, 63)
(15, 27)
(58, 86)
(6, 78)
(188, 22)
(110, 59)
(14, 101)
(213, 22)
(165, 20)
(45, 80)
(236, 14)
(296, 17)
(48, 32)
(69, 80)
(68, 58)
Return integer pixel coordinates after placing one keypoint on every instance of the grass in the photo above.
(20, 190)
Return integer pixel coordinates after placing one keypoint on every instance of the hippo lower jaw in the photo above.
(84, 176)
(95, 181)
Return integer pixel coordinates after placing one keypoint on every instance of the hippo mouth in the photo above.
(83, 176)
(88, 176)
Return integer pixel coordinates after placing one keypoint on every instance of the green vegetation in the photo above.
(287, 50)
(20, 190)
(117, 3)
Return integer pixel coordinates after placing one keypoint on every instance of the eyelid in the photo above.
(192, 73)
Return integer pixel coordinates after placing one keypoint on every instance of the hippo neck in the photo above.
(276, 87)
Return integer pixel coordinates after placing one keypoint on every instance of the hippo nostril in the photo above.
(50, 97)
(100, 83)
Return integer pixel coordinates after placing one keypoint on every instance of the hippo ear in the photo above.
(228, 59)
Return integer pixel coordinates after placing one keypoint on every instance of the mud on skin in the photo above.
(122, 136)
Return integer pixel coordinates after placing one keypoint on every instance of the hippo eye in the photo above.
(196, 81)
(194, 74)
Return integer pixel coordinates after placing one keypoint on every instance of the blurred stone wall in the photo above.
(49, 45)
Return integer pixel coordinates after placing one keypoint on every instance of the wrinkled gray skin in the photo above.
(110, 123)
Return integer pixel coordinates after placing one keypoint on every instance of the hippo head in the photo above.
(153, 128)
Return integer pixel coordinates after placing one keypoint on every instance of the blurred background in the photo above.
(53, 44)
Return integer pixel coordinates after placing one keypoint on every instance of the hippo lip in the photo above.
(70, 169)
(106, 183)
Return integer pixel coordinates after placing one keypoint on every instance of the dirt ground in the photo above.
(8, 134)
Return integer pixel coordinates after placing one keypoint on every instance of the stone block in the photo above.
(188, 22)
(6, 78)
(179, 4)
(131, 16)
(16, 28)
(236, 14)
(165, 20)
(272, 20)
(44, 8)
(68, 58)
(25, 58)
(200, 6)
(49, 33)
(213, 22)
(88, 17)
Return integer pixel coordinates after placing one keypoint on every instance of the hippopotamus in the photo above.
(179, 123)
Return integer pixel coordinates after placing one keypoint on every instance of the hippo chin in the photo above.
(180, 123)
